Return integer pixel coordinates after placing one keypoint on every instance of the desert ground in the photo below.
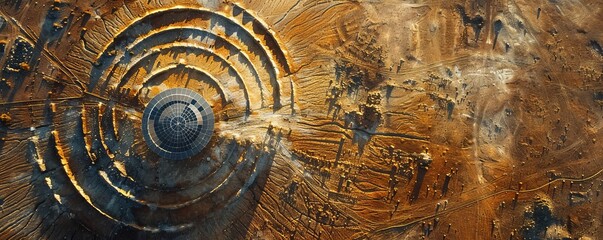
(350, 119)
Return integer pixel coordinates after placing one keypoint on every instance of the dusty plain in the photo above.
(382, 119)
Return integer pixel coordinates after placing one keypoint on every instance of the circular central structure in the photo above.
(177, 123)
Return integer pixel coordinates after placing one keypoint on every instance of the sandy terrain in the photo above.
(358, 119)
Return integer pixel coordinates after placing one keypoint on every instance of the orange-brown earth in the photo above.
(379, 119)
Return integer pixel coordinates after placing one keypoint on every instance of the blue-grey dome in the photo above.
(177, 123)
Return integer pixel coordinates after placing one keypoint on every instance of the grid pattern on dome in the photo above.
(177, 123)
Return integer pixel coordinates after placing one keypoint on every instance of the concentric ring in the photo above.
(177, 123)
(172, 81)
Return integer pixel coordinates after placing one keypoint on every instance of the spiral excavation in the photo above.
(161, 74)
(194, 35)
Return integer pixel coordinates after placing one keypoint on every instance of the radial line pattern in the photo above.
(177, 123)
